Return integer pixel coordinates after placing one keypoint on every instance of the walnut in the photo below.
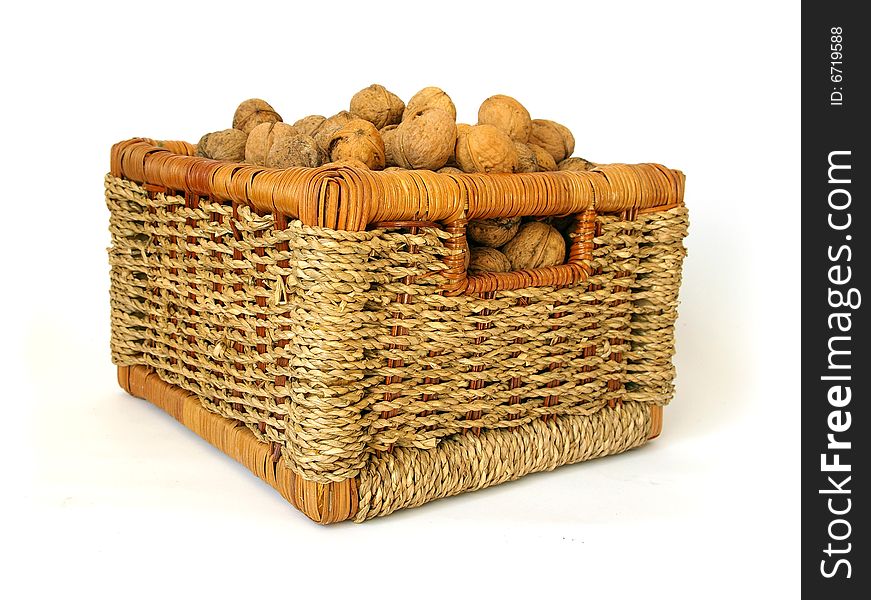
(387, 134)
(377, 105)
(543, 158)
(228, 144)
(536, 245)
(532, 158)
(323, 135)
(450, 171)
(294, 151)
(463, 128)
(393, 169)
(430, 97)
(251, 113)
(492, 232)
(526, 162)
(308, 125)
(553, 137)
(506, 114)
(424, 140)
(358, 140)
(487, 260)
(576, 163)
(485, 149)
(261, 139)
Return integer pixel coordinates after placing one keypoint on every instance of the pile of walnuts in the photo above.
(381, 132)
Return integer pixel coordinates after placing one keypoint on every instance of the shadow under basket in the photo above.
(320, 327)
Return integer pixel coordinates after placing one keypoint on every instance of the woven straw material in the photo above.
(409, 477)
(319, 324)
(200, 295)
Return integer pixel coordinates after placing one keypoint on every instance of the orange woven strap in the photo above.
(343, 197)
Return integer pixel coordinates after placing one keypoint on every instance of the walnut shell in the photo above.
(424, 140)
(323, 135)
(251, 113)
(576, 163)
(485, 149)
(358, 140)
(461, 128)
(450, 171)
(487, 260)
(377, 105)
(543, 158)
(526, 162)
(308, 125)
(387, 134)
(261, 139)
(294, 151)
(492, 232)
(553, 137)
(393, 169)
(430, 97)
(506, 114)
(536, 245)
(228, 144)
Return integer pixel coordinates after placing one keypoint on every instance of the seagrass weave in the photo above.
(319, 324)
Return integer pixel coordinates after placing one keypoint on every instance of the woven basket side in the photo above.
(128, 273)
(339, 283)
(650, 371)
(334, 347)
(191, 299)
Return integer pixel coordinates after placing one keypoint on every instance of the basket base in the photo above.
(366, 495)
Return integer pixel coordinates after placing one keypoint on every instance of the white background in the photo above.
(109, 497)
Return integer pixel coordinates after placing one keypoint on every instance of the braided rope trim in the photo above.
(409, 477)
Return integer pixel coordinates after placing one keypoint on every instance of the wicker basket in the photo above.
(319, 326)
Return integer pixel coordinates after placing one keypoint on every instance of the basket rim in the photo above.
(346, 197)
